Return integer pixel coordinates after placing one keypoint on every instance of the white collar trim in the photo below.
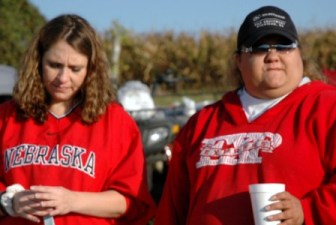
(66, 113)
(255, 107)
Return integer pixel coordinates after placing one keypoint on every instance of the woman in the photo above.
(69, 153)
(279, 126)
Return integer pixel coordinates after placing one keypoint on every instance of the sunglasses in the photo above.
(265, 48)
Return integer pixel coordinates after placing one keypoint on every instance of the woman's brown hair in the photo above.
(97, 91)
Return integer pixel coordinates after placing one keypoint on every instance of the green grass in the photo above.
(170, 100)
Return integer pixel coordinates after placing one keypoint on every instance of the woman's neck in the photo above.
(62, 109)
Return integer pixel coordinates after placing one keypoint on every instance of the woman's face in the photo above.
(64, 70)
(270, 74)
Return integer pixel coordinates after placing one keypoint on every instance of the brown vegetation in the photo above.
(199, 61)
(204, 59)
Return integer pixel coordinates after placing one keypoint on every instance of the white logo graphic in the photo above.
(269, 19)
(64, 156)
(236, 149)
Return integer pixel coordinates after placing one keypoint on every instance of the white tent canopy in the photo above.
(7, 79)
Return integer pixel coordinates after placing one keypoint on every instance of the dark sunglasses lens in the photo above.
(260, 49)
(264, 48)
(283, 48)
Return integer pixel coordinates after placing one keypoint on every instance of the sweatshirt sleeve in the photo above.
(319, 205)
(141, 207)
(129, 175)
(6, 109)
(174, 203)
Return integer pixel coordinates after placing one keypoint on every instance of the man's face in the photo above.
(273, 73)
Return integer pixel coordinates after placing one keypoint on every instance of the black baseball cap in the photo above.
(265, 21)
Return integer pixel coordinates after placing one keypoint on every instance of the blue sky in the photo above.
(186, 15)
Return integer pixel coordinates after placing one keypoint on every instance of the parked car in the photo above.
(8, 76)
(158, 126)
(157, 129)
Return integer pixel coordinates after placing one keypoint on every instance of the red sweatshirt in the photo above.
(219, 153)
(64, 152)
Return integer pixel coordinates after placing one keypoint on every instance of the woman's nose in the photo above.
(63, 74)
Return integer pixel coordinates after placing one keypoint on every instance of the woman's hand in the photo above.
(292, 212)
(42, 201)
(54, 200)
(26, 205)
